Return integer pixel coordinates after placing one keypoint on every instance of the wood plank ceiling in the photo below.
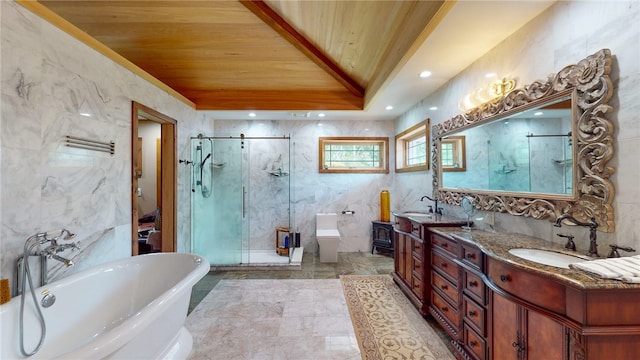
(261, 55)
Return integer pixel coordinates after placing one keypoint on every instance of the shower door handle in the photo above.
(243, 203)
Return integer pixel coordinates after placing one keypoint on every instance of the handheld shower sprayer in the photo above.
(205, 160)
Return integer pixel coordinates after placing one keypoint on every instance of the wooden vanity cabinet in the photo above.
(521, 333)
(526, 315)
(474, 304)
(413, 262)
(495, 309)
(445, 280)
(409, 274)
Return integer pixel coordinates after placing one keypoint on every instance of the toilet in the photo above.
(328, 236)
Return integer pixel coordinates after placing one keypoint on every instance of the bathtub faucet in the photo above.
(54, 248)
(33, 247)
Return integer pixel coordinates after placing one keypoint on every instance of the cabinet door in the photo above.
(403, 257)
(545, 338)
(398, 255)
(519, 333)
(505, 329)
(408, 260)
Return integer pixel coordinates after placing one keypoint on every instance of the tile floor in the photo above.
(309, 318)
(260, 319)
(359, 263)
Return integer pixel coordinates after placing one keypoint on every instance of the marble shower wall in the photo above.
(48, 78)
(564, 34)
(314, 192)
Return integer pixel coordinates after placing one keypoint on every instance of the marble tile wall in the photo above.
(564, 34)
(47, 79)
(314, 192)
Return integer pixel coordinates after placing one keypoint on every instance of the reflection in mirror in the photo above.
(539, 151)
(529, 151)
(453, 154)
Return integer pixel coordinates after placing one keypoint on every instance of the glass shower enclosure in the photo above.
(240, 194)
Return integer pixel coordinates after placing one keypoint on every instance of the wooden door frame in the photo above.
(168, 190)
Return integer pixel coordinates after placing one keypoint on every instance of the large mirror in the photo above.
(519, 149)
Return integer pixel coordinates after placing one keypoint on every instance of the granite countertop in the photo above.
(497, 245)
(430, 219)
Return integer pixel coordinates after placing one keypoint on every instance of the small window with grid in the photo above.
(447, 154)
(412, 148)
(349, 155)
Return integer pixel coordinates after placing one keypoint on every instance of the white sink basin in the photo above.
(411, 213)
(546, 257)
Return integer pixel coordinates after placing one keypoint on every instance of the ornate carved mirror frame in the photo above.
(589, 82)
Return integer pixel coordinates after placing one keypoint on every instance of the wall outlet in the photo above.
(490, 219)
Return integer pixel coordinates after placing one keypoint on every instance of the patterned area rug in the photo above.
(387, 325)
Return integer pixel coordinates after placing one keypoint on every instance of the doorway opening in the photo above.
(153, 181)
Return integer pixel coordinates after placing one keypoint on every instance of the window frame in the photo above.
(383, 154)
(459, 153)
(402, 140)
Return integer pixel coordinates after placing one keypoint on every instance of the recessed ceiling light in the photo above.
(388, 107)
(252, 114)
(425, 74)
(321, 115)
(85, 114)
(489, 75)
(433, 108)
(538, 113)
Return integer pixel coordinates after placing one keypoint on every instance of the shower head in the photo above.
(205, 160)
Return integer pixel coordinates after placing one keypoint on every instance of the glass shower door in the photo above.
(218, 200)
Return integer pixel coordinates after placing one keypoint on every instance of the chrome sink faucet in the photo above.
(593, 245)
(438, 210)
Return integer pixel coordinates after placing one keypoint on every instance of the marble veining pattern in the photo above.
(48, 79)
(497, 245)
(273, 319)
(313, 192)
(563, 34)
(46, 76)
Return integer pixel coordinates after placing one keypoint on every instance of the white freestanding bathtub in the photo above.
(133, 308)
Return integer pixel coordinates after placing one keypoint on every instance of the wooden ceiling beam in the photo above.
(405, 46)
(288, 32)
(294, 100)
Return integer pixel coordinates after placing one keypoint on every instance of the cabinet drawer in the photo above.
(446, 266)
(445, 310)
(474, 343)
(474, 314)
(472, 256)
(416, 229)
(534, 288)
(474, 287)
(449, 290)
(445, 244)
(418, 267)
(417, 286)
(417, 248)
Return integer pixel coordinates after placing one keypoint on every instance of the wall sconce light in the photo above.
(496, 89)
(502, 87)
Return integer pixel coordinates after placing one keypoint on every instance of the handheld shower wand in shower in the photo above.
(205, 160)
(204, 189)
